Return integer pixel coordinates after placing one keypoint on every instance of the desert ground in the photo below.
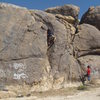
(92, 92)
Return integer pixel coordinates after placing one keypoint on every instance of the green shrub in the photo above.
(82, 87)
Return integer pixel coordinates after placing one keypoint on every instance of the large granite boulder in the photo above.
(87, 49)
(24, 53)
(93, 62)
(25, 57)
(92, 16)
(87, 40)
(60, 54)
(22, 50)
(66, 10)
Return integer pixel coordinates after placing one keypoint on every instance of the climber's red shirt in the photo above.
(88, 71)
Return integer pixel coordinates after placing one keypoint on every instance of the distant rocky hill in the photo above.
(24, 53)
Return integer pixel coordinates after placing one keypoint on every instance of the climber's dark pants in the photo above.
(50, 41)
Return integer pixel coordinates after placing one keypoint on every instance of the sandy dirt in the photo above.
(82, 95)
(86, 95)
(91, 93)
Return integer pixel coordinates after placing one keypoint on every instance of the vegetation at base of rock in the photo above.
(82, 87)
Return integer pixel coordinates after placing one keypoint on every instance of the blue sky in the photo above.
(43, 4)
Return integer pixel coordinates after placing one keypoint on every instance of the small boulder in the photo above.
(66, 10)
(92, 17)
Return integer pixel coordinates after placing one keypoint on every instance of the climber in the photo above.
(88, 72)
(87, 75)
(50, 38)
(83, 79)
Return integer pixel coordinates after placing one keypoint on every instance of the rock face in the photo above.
(87, 40)
(87, 48)
(24, 53)
(66, 10)
(20, 47)
(93, 61)
(92, 16)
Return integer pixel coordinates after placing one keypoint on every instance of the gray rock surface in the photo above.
(92, 16)
(24, 54)
(93, 61)
(87, 49)
(22, 50)
(66, 10)
(87, 40)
